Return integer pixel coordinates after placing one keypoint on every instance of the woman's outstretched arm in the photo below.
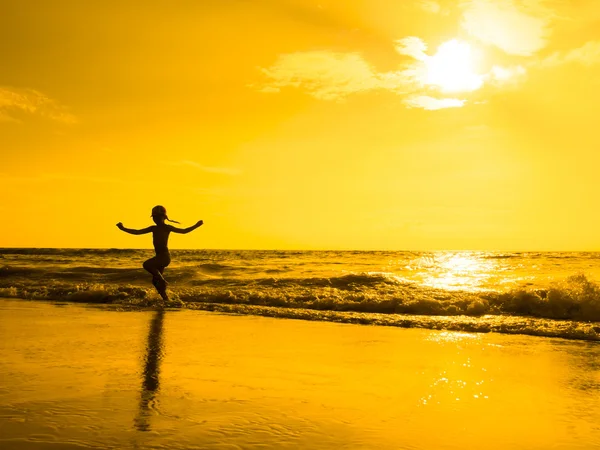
(186, 230)
(132, 231)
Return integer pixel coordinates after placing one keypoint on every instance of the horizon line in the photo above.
(308, 249)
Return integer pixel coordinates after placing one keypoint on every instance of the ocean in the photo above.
(555, 294)
(90, 360)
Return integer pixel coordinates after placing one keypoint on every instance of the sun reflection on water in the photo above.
(453, 336)
(461, 378)
(457, 271)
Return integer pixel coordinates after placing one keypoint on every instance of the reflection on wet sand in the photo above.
(150, 380)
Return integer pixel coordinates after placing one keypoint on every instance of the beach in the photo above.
(298, 225)
(77, 376)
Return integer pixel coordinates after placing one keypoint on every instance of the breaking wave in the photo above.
(350, 286)
(371, 296)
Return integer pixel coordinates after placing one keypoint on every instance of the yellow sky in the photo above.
(354, 124)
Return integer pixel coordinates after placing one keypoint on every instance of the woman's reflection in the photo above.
(150, 381)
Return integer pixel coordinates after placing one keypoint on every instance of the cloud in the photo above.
(31, 102)
(325, 75)
(430, 6)
(331, 76)
(432, 103)
(499, 75)
(218, 170)
(588, 55)
(334, 76)
(412, 46)
(517, 28)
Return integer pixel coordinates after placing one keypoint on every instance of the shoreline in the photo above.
(501, 324)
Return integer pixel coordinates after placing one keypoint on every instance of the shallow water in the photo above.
(88, 377)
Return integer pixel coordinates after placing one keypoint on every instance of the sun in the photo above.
(451, 68)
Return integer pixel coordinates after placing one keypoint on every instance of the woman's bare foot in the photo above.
(161, 286)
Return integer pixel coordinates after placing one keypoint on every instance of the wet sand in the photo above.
(74, 377)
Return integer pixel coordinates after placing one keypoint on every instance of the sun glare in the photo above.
(460, 272)
(451, 68)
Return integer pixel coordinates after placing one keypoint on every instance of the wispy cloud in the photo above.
(327, 75)
(31, 102)
(501, 75)
(432, 103)
(588, 54)
(430, 6)
(208, 169)
(516, 27)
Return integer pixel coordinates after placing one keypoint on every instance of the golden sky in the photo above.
(300, 124)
